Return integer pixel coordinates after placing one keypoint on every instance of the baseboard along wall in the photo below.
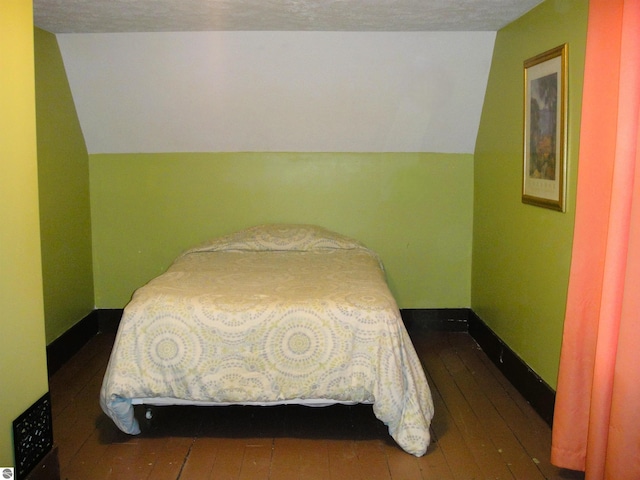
(537, 392)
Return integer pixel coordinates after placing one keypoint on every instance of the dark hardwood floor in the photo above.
(483, 429)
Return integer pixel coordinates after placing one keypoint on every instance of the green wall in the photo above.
(63, 175)
(23, 368)
(522, 253)
(414, 209)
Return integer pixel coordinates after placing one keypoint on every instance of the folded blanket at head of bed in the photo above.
(271, 314)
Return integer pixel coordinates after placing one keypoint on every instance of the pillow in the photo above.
(280, 237)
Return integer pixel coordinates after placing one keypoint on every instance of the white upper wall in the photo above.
(279, 91)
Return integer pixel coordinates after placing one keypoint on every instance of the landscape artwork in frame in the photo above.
(545, 105)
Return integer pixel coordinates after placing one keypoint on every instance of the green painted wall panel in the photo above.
(414, 209)
(522, 253)
(63, 177)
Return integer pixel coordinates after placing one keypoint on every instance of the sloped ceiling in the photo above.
(267, 75)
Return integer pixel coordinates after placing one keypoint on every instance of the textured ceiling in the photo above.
(97, 16)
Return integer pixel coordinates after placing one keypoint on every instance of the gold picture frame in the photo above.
(544, 170)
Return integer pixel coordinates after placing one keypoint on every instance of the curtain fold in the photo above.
(596, 422)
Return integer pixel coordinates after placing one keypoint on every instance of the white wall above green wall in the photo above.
(414, 209)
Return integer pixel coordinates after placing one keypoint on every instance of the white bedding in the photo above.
(271, 314)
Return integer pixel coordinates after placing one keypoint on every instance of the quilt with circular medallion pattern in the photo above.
(271, 314)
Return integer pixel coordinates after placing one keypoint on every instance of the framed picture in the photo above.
(545, 119)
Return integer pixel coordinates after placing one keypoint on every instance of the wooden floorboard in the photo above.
(482, 429)
(505, 447)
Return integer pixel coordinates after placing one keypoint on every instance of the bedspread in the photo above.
(290, 317)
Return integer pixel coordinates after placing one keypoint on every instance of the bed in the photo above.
(273, 314)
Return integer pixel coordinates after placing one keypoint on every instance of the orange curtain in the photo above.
(597, 416)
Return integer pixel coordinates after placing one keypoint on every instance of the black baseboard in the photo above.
(109, 319)
(535, 390)
(70, 342)
(442, 319)
(540, 395)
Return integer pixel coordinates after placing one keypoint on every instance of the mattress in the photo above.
(273, 314)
